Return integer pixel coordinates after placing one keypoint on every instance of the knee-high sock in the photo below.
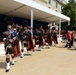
(12, 59)
(8, 63)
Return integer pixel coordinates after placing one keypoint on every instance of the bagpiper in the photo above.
(25, 35)
(31, 40)
(69, 37)
(8, 41)
(37, 37)
(54, 36)
(15, 42)
(47, 36)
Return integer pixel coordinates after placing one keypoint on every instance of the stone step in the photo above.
(2, 50)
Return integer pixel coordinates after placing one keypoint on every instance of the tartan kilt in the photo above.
(14, 48)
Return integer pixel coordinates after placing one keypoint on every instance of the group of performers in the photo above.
(30, 39)
(24, 36)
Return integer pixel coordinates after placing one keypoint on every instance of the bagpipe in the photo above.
(37, 37)
(53, 34)
(8, 41)
(17, 26)
(6, 34)
(46, 36)
(14, 37)
(26, 35)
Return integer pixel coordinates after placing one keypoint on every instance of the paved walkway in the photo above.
(54, 61)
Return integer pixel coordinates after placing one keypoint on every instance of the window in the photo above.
(49, 1)
(56, 5)
(56, 10)
(49, 7)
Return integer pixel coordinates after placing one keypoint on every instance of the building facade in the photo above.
(52, 4)
(55, 5)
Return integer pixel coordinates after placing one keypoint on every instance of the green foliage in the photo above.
(64, 25)
(70, 10)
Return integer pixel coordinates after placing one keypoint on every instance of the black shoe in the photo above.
(65, 46)
(7, 70)
(69, 47)
(12, 64)
(72, 45)
(21, 57)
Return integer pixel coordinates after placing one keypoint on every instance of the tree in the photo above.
(70, 10)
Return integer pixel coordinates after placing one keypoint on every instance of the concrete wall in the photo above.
(52, 4)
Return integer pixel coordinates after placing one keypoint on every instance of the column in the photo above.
(54, 24)
(32, 13)
(59, 27)
(68, 23)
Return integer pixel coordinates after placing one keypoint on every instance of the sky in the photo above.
(66, 0)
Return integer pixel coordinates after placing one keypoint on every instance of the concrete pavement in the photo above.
(54, 61)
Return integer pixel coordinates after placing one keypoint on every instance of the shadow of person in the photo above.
(27, 55)
(72, 49)
(60, 46)
(2, 65)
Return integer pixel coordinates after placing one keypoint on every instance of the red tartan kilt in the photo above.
(28, 47)
(14, 48)
(18, 47)
(41, 41)
(30, 44)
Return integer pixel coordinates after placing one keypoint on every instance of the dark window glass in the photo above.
(49, 1)
(56, 5)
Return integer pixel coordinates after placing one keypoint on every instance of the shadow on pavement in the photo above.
(60, 46)
(27, 55)
(2, 65)
(72, 49)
